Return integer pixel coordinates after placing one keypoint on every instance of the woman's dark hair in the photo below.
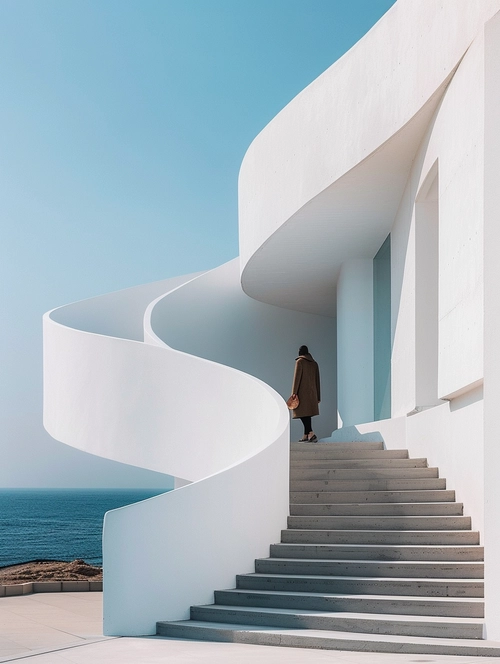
(303, 350)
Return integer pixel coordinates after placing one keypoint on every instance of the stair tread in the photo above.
(406, 598)
(376, 509)
(390, 517)
(363, 530)
(383, 537)
(345, 614)
(429, 563)
(426, 481)
(388, 569)
(382, 552)
(357, 464)
(474, 547)
(364, 496)
(308, 577)
(427, 470)
(365, 473)
(380, 461)
(356, 504)
(324, 635)
(327, 452)
(346, 445)
(379, 523)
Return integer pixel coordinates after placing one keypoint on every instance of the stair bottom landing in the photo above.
(326, 640)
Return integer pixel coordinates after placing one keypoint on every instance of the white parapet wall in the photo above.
(211, 317)
(170, 552)
(161, 409)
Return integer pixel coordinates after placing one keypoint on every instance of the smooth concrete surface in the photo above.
(65, 629)
(492, 326)
(121, 399)
(268, 337)
(334, 159)
(47, 622)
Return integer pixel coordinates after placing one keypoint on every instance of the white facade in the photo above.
(399, 138)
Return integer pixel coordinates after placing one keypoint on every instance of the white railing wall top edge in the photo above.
(118, 313)
(150, 335)
(142, 403)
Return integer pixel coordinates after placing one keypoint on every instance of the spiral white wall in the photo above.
(211, 317)
(149, 405)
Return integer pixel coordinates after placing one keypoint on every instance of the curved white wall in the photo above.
(212, 318)
(139, 404)
(118, 314)
(161, 409)
(356, 129)
(170, 552)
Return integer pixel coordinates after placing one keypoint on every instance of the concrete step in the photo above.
(317, 452)
(327, 640)
(401, 569)
(383, 537)
(362, 585)
(362, 473)
(342, 497)
(380, 522)
(377, 509)
(344, 447)
(378, 552)
(368, 485)
(383, 462)
(429, 626)
(469, 607)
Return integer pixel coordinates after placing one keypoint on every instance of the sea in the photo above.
(58, 524)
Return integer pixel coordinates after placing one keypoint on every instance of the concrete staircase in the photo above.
(377, 557)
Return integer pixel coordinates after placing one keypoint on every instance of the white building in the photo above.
(369, 230)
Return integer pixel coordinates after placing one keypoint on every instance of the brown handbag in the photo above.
(293, 402)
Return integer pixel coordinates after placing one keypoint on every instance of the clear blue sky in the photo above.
(123, 126)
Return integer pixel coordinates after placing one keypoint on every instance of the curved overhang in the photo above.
(297, 267)
(322, 183)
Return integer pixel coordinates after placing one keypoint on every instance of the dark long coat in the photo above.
(306, 386)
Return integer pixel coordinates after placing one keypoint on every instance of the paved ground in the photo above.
(65, 628)
(44, 621)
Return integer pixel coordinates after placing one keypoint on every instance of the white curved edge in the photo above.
(162, 409)
(117, 314)
(152, 406)
(211, 317)
(171, 552)
(150, 336)
(331, 134)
